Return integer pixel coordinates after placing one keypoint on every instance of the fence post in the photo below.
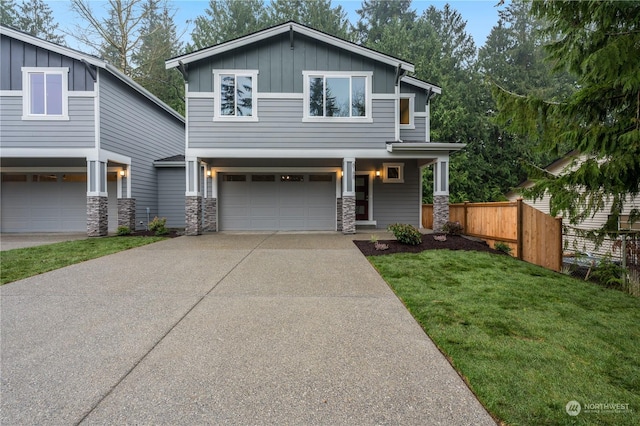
(624, 260)
(519, 224)
(464, 225)
(559, 220)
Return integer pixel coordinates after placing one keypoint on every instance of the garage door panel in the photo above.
(277, 204)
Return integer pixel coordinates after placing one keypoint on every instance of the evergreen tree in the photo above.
(36, 18)
(225, 20)
(159, 41)
(599, 43)
(8, 12)
(375, 15)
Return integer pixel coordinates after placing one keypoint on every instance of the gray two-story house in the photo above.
(290, 128)
(77, 141)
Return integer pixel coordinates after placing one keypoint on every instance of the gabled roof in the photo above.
(281, 29)
(88, 59)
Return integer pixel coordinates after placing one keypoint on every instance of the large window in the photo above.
(45, 93)
(235, 95)
(337, 95)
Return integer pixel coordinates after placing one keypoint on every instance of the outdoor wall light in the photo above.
(341, 172)
(208, 172)
(123, 173)
(377, 173)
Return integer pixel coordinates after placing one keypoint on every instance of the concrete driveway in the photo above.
(223, 329)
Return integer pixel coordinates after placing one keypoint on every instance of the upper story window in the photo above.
(235, 95)
(339, 96)
(45, 94)
(407, 108)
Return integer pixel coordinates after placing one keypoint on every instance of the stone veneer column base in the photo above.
(97, 216)
(349, 214)
(440, 211)
(127, 213)
(193, 215)
(339, 215)
(210, 213)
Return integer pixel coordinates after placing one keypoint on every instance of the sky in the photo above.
(481, 15)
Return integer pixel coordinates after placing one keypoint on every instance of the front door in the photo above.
(362, 197)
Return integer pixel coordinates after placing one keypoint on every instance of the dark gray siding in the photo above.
(421, 96)
(15, 54)
(281, 126)
(77, 132)
(281, 67)
(171, 187)
(132, 125)
(395, 202)
(417, 134)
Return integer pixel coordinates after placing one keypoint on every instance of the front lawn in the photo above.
(527, 340)
(22, 263)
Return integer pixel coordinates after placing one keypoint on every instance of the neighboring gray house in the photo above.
(290, 128)
(77, 141)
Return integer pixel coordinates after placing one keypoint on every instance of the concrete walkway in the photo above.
(223, 329)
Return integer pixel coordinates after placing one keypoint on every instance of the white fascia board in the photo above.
(18, 35)
(270, 32)
(421, 84)
(48, 152)
(314, 153)
(424, 146)
(168, 163)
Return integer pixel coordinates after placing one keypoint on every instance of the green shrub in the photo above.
(406, 234)
(159, 226)
(123, 231)
(608, 274)
(452, 228)
(503, 247)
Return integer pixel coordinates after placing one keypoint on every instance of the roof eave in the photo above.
(424, 146)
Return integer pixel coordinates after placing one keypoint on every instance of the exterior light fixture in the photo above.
(123, 173)
(208, 172)
(378, 173)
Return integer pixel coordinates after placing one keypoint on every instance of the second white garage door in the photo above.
(277, 202)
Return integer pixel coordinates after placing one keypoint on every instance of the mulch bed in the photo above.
(143, 233)
(453, 242)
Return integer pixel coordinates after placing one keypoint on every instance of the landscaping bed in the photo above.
(453, 242)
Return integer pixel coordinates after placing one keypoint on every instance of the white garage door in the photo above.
(50, 202)
(277, 202)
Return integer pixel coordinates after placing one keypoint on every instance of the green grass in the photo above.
(22, 263)
(527, 340)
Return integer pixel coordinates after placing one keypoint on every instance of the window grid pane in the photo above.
(337, 94)
(54, 94)
(37, 93)
(404, 111)
(358, 97)
(316, 96)
(244, 96)
(227, 95)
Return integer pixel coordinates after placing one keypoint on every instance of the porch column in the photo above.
(97, 199)
(193, 198)
(349, 196)
(126, 204)
(440, 193)
(210, 200)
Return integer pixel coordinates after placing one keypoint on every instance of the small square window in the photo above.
(45, 93)
(393, 172)
(235, 95)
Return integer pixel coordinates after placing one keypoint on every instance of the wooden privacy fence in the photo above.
(533, 236)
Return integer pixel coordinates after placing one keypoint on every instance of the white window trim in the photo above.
(385, 174)
(216, 94)
(368, 118)
(26, 92)
(412, 111)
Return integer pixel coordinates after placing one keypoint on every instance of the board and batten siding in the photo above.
(281, 66)
(395, 202)
(171, 185)
(15, 54)
(417, 134)
(77, 132)
(421, 96)
(132, 125)
(280, 125)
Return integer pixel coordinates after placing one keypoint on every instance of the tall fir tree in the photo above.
(375, 15)
(225, 20)
(159, 41)
(8, 15)
(36, 18)
(599, 43)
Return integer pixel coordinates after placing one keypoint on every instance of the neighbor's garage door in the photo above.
(49, 202)
(277, 201)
